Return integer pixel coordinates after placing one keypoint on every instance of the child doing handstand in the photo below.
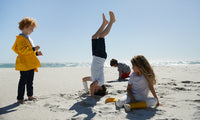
(99, 56)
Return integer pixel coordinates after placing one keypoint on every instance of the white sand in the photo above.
(60, 95)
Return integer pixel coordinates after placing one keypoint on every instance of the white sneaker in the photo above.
(127, 107)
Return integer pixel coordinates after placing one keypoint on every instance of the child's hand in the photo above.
(158, 104)
(37, 47)
(133, 99)
(39, 53)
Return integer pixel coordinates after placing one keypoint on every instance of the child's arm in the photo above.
(92, 88)
(153, 92)
(23, 47)
(120, 70)
(129, 87)
(120, 73)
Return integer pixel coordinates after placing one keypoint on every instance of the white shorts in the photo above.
(97, 70)
(126, 99)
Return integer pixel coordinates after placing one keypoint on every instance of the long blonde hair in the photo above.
(145, 68)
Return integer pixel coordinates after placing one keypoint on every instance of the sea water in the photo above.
(107, 64)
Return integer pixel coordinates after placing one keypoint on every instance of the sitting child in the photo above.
(124, 70)
(141, 82)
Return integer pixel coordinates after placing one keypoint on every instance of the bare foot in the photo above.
(104, 20)
(112, 17)
(21, 101)
(32, 98)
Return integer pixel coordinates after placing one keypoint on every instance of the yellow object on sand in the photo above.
(136, 105)
(26, 59)
(111, 100)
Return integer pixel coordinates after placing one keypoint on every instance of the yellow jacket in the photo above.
(26, 59)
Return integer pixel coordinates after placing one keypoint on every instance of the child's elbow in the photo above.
(127, 90)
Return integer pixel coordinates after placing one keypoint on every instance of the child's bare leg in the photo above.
(100, 30)
(107, 30)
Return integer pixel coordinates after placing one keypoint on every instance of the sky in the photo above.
(157, 29)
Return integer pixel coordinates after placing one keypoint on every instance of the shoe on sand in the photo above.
(127, 107)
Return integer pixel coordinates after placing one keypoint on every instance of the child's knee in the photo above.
(119, 103)
(86, 79)
(151, 102)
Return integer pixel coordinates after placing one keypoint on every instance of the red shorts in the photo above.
(125, 75)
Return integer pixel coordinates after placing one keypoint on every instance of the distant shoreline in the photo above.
(88, 64)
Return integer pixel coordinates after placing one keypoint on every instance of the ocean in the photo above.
(88, 64)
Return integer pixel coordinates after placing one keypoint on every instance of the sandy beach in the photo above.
(61, 97)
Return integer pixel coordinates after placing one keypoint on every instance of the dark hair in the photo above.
(102, 92)
(113, 62)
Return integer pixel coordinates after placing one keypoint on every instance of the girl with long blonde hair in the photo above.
(140, 83)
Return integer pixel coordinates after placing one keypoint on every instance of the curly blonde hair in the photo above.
(145, 68)
(26, 22)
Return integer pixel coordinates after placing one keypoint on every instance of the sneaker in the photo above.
(127, 107)
(21, 101)
(32, 98)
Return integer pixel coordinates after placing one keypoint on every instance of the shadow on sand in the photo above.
(121, 80)
(85, 106)
(142, 114)
(9, 108)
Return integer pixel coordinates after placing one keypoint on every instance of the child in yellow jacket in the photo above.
(27, 61)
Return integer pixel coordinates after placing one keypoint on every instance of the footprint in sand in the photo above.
(198, 101)
(54, 108)
(190, 82)
(116, 92)
(106, 85)
(180, 89)
(186, 82)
